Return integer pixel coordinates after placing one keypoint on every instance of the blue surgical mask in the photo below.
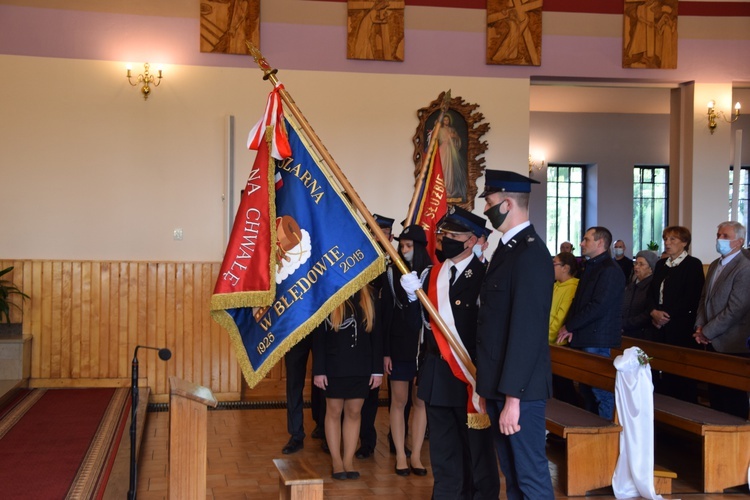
(724, 246)
(477, 249)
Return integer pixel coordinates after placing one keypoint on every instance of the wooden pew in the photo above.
(725, 438)
(297, 480)
(592, 442)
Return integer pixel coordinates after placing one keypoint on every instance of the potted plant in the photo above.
(653, 246)
(7, 290)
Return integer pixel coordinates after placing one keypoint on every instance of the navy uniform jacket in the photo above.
(437, 386)
(512, 336)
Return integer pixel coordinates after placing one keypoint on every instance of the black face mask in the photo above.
(452, 248)
(495, 217)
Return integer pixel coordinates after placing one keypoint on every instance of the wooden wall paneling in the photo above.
(104, 319)
(85, 322)
(169, 320)
(119, 347)
(161, 314)
(186, 333)
(96, 318)
(152, 315)
(65, 319)
(86, 318)
(197, 338)
(206, 285)
(130, 337)
(178, 329)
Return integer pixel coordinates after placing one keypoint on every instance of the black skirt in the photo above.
(404, 371)
(348, 387)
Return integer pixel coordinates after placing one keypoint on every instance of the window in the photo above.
(650, 205)
(742, 208)
(565, 205)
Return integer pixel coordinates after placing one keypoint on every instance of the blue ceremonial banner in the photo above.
(323, 254)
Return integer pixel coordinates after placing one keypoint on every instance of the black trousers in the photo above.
(463, 460)
(296, 370)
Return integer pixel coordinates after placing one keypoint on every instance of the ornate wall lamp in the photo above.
(535, 163)
(713, 114)
(145, 78)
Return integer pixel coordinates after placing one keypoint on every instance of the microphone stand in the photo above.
(164, 354)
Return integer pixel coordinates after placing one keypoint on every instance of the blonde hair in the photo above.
(366, 303)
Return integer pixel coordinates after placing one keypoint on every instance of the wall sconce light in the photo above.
(712, 114)
(535, 163)
(145, 78)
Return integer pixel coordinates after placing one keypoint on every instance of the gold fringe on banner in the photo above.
(477, 421)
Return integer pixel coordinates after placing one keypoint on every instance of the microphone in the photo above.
(164, 354)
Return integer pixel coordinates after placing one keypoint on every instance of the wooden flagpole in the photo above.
(430, 154)
(269, 73)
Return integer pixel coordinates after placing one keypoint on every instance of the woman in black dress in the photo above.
(674, 294)
(347, 363)
(401, 349)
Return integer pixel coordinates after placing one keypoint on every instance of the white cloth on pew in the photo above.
(634, 396)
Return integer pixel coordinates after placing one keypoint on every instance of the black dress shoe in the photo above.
(352, 474)
(318, 433)
(340, 476)
(363, 453)
(402, 472)
(418, 472)
(293, 446)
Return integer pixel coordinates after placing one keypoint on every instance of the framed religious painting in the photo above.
(226, 25)
(459, 145)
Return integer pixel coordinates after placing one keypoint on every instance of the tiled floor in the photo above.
(242, 444)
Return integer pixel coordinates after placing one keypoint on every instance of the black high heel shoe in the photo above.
(340, 476)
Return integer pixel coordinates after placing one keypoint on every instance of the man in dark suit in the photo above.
(594, 321)
(723, 319)
(513, 363)
(463, 460)
(296, 369)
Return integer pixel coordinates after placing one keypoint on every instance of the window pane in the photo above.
(565, 202)
(650, 202)
(742, 209)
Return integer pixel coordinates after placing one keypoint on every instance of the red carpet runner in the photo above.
(60, 443)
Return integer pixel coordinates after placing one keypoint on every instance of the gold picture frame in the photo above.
(460, 146)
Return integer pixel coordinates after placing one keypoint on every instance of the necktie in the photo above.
(453, 274)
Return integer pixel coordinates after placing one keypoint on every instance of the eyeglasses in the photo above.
(556, 264)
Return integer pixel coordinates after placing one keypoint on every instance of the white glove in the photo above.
(411, 283)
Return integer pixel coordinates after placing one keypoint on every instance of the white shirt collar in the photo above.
(510, 233)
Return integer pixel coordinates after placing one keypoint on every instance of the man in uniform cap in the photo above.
(463, 461)
(513, 365)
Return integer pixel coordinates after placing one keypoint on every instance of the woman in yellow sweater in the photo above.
(566, 284)
(566, 268)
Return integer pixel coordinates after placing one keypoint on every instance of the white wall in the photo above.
(91, 171)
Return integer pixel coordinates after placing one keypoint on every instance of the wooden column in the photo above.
(187, 438)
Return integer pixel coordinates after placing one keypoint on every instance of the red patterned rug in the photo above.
(60, 443)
